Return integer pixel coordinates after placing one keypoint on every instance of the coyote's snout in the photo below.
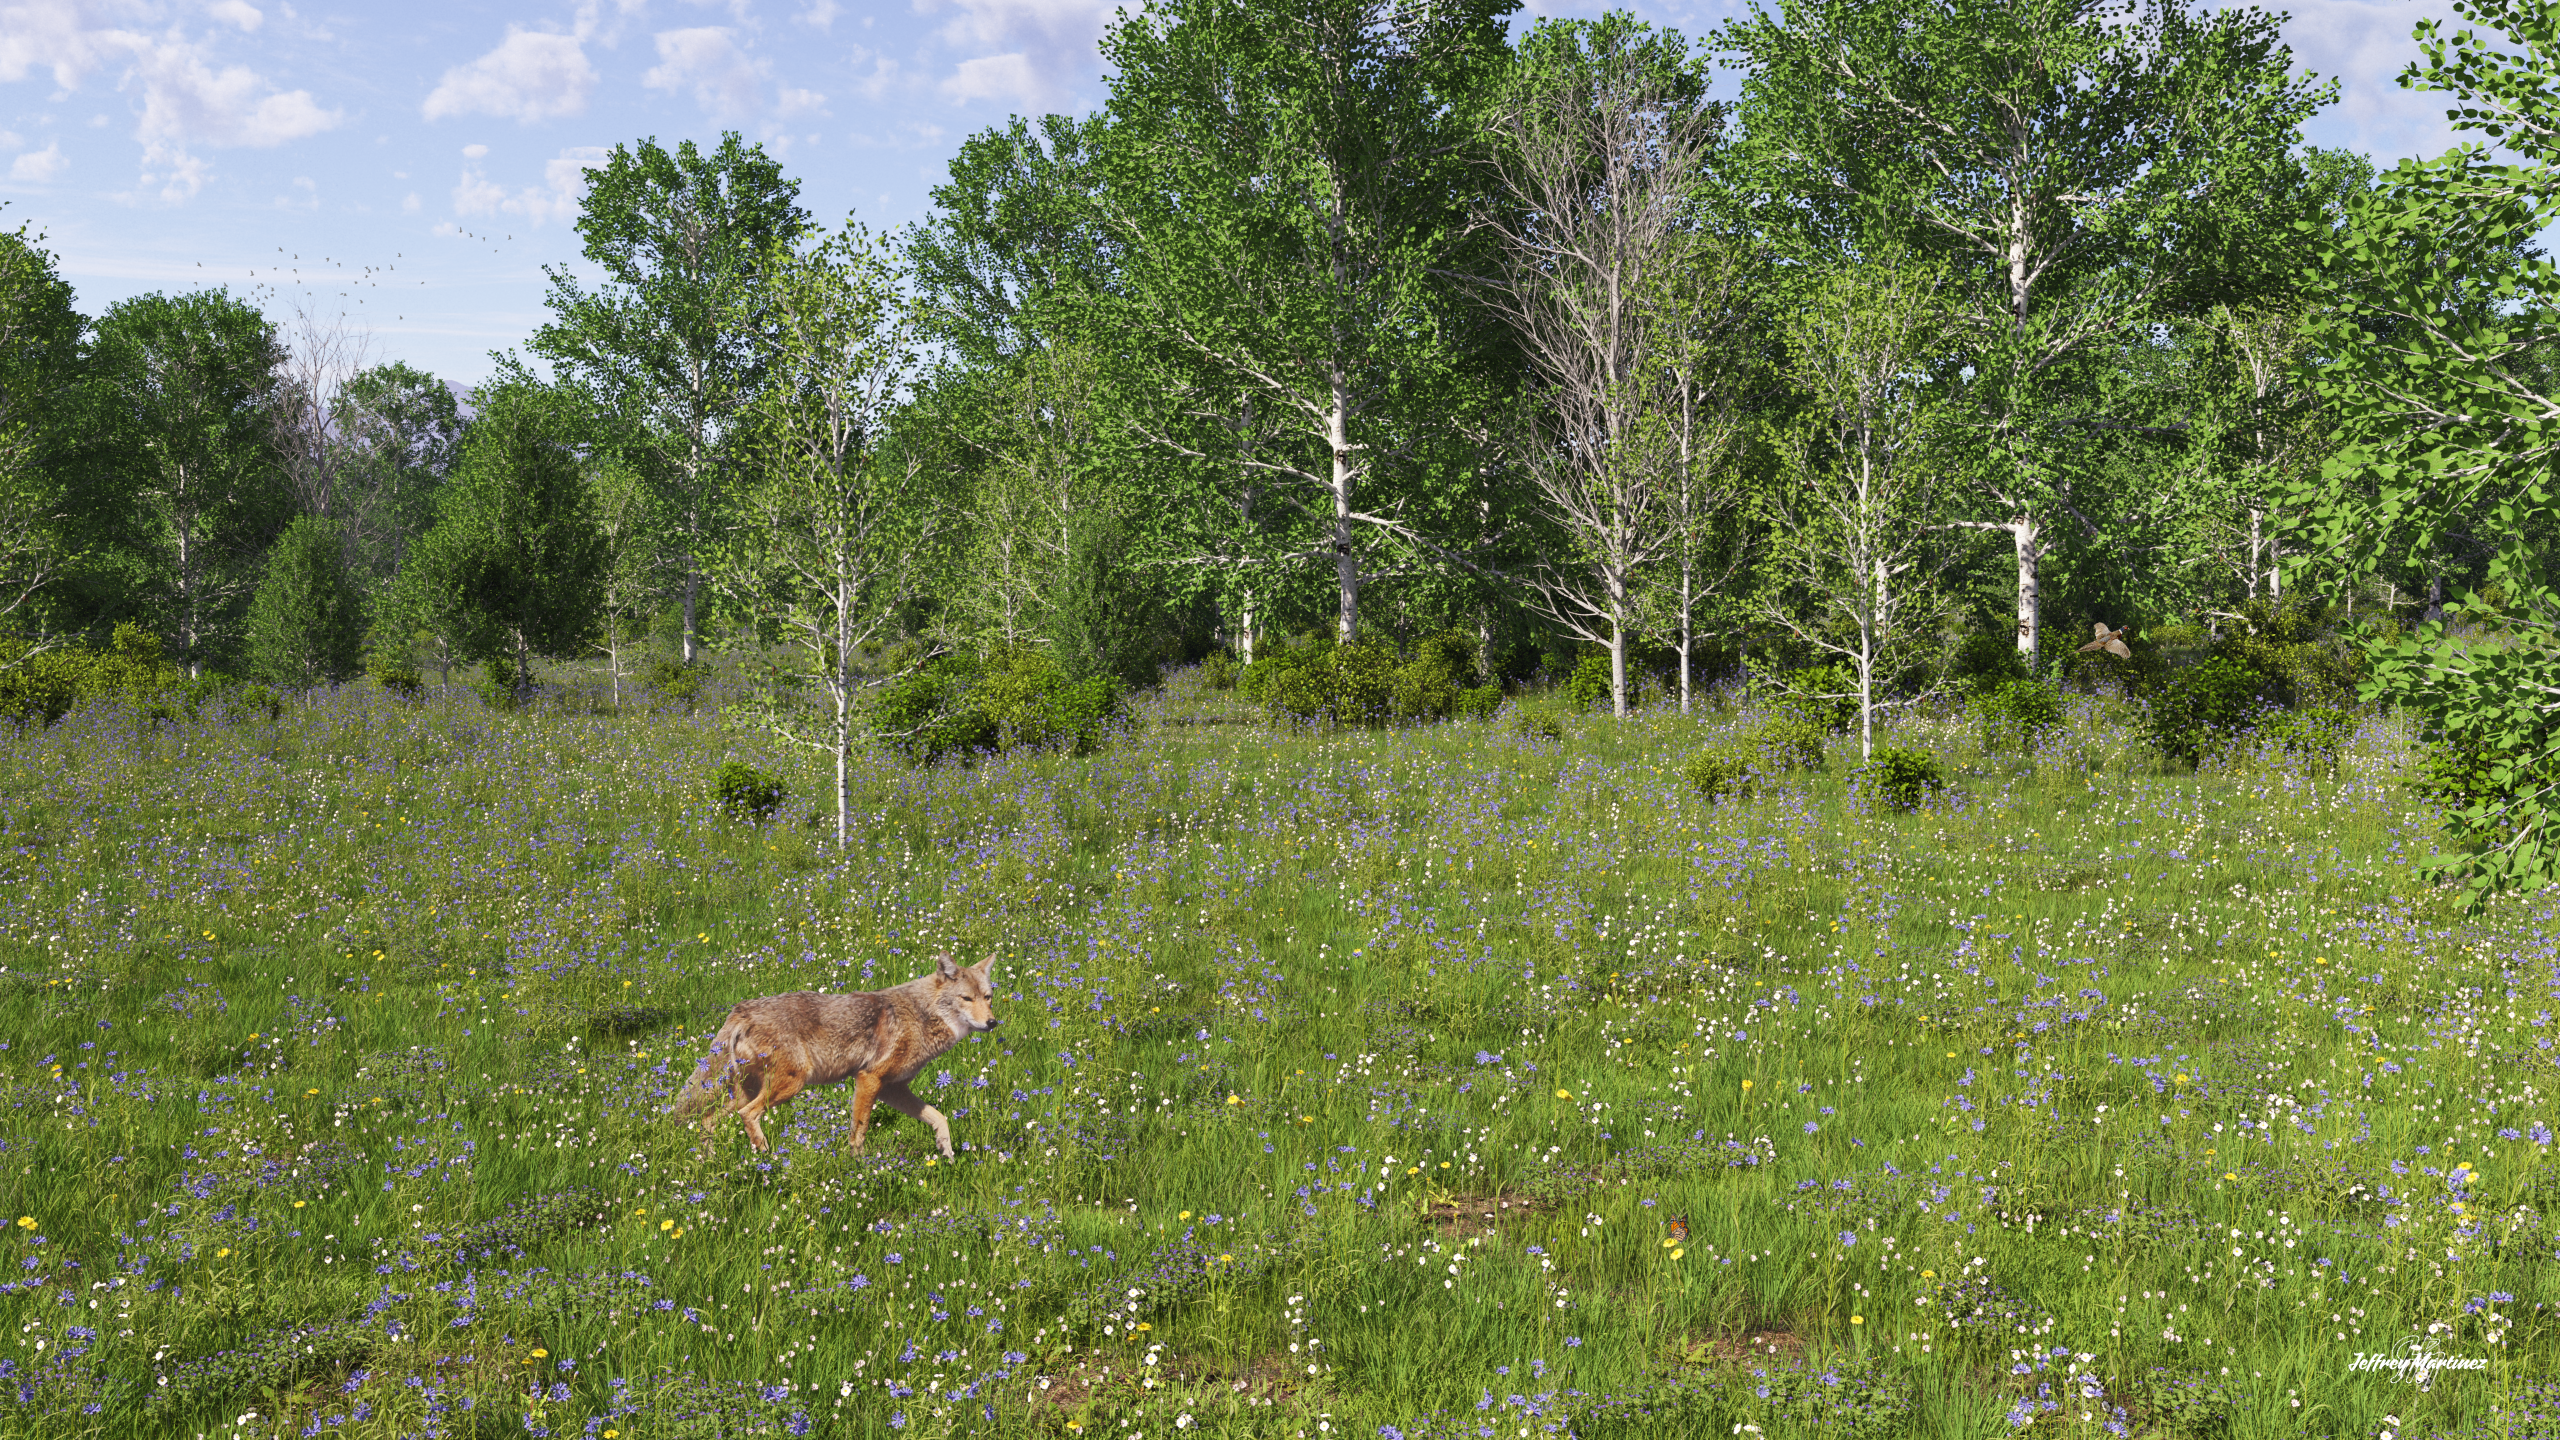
(771, 1049)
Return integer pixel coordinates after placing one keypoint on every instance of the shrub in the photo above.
(43, 687)
(747, 793)
(2202, 707)
(956, 706)
(395, 669)
(1423, 692)
(1716, 774)
(1480, 703)
(1902, 779)
(2017, 712)
(1031, 702)
(1218, 671)
(2314, 737)
(673, 679)
(1452, 653)
(1789, 741)
(1823, 694)
(2293, 643)
(1352, 684)
(1530, 725)
(1589, 684)
(1985, 661)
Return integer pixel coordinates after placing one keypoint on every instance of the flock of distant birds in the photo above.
(362, 277)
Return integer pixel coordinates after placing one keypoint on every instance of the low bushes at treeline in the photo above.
(1363, 684)
(963, 705)
(44, 686)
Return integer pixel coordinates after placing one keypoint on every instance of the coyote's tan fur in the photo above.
(771, 1049)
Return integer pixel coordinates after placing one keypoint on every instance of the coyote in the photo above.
(771, 1049)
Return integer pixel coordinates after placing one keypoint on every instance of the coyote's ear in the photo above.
(944, 969)
(986, 970)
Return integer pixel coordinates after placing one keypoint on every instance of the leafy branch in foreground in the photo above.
(2449, 418)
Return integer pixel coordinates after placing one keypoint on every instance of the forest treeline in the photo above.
(1967, 327)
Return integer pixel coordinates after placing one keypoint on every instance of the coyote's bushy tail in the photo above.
(710, 1082)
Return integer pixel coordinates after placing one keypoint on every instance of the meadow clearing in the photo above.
(1431, 1083)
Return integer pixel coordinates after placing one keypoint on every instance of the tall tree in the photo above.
(1856, 548)
(39, 368)
(836, 522)
(2438, 347)
(1602, 146)
(185, 385)
(1287, 182)
(674, 344)
(306, 625)
(2082, 168)
(400, 431)
(514, 567)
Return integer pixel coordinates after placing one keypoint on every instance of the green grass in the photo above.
(2085, 1075)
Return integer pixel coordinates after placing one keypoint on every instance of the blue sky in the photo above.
(415, 166)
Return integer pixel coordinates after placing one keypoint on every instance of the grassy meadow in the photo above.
(1429, 1083)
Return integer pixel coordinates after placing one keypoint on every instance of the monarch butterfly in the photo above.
(1679, 1227)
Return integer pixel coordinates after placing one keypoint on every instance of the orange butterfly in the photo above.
(1679, 1227)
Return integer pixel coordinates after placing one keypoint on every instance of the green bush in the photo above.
(1902, 779)
(394, 667)
(1823, 694)
(1452, 653)
(2294, 644)
(1032, 702)
(955, 705)
(1537, 725)
(1423, 692)
(1985, 661)
(1788, 741)
(2017, 712)
(2200, 708)
(1218, 671)
(1352, 684)
(1718, 774)
(1480, 703)
(746, 793)
(674, 680)
(2316, 737)
(1589, 684)
(43, 687)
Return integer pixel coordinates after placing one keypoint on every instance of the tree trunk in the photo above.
(2253, 554)
(692, 585)
(1248, 625)
(1618, 646)
(1346, 566)
(1878, 617)
(2030, 611)
(844, 713)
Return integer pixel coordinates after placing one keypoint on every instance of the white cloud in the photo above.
(818, 14)
(1041, 47)
(564, 184)
(474, 152)
(183, 181)
(68, 37)
(39, 165)
(723, 80)
(530, 76)
(2365, 44)
(409, 203)
(185, 101)
(9, 140)
(238, 12)
(792, 103)
(996, 77)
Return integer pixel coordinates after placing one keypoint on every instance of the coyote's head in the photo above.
(968, 993)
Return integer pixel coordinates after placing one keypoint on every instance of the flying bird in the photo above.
(2111, 641)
